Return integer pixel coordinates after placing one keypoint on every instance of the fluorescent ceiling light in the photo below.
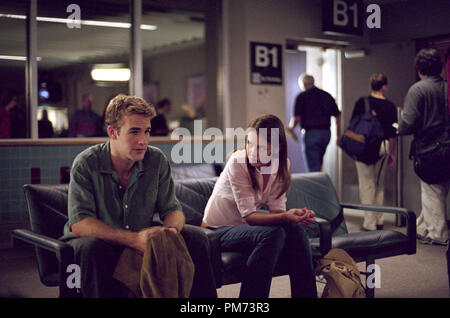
(123, 25)
(16, 58)
(111, 74)
(326, 41)
(148, 27)
(353, 54)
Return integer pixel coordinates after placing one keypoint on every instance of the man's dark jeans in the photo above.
(97, 260)
(315, 144)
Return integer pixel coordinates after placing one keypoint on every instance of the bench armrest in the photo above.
(324, 235)
(63, 251)
(409, 215)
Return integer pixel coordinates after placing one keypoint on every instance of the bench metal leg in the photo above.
(448, 266)
(370, 291)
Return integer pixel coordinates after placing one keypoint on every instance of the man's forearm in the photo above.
(92, 227)
(392, 146)
(338, 126)
(175, 219)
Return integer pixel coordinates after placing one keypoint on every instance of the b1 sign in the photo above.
(342, 17)
(266, 63)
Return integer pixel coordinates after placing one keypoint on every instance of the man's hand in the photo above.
(291, 134)
(289, 130)
(143, 235)
(391, 160)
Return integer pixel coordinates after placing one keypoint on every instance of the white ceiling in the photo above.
(60, 45)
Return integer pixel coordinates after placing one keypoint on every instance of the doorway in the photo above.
(324, 64)
(295, 62)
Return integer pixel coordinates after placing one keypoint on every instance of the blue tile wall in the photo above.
(16, 162)
(15, 171)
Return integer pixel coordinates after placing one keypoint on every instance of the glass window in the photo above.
(174, 67)
(83, 52)
(13, 119)
(78, 43)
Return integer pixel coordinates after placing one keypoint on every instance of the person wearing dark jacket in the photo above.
(425, 107)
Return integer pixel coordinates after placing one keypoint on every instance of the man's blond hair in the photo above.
(123, 105)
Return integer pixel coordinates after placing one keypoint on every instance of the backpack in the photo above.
(430, 151)
(363, 137)
(342, 275)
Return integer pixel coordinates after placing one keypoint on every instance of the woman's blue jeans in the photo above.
(266, 246)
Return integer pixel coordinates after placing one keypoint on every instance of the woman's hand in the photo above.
(301, 216)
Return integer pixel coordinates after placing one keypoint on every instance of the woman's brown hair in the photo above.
(268, 122)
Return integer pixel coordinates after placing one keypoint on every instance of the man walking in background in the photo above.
(313, 109)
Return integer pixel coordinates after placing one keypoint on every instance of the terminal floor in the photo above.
(408, 276)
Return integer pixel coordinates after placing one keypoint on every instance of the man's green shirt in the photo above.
(95, 190)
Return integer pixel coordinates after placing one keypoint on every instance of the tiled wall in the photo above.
(17, 162)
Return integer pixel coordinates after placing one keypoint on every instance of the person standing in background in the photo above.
(313, 109)
(159, 122)
(8, 102)
(85, 122)
(45, 126)
(424, 107)
(372, 168)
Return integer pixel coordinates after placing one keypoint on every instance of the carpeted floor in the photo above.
(421, 275)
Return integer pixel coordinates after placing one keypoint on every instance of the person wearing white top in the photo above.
(256, 177)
